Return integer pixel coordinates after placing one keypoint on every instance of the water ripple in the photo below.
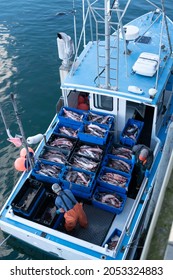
(7, 67)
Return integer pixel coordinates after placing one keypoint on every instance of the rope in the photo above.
(5, 240)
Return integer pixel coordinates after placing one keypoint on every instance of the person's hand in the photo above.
(60, 210)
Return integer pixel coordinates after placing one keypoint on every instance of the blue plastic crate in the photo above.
(38, 174)
(74, 186)
(84, 195)
(89, 164)
(86, 153)
(28, 198)
(63, 118)
(77, 193)
(55, 155)
(125, 166)
(69, 142)
(89, 138)
(45, 213)
(73, 126)
(131, 132)
(111, 240)
(97, 120)
(121, 151)
(58, 221)
(101, 191)
(110, 186)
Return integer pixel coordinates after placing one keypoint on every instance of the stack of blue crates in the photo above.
(130, 138)
(114, 187)
(109, 159)
(90, 138)
(65, 119)
(46, 178)
(85, 191)
(81, 138)
(74, 126)
(100, 190)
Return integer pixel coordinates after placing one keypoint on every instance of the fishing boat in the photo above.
(117, 85)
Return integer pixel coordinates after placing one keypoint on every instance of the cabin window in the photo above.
(103, 102)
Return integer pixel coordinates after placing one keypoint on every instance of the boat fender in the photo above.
(35, 139)
(135, 89)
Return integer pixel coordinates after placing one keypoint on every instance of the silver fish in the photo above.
(72, 115)
(68, 131)
(119, 165)
(85, 163)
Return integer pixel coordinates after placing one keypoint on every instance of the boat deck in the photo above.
(101, 224)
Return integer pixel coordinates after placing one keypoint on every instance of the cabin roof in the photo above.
(85, 71)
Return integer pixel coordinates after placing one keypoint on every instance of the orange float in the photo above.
(23, 152)
(19, 164)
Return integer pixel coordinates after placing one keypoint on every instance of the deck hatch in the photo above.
(143, 39)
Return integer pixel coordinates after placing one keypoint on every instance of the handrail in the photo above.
(135, 205)
(137, 201)
(131, 215)
(157, 209)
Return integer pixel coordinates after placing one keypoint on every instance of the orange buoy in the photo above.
(23, 152)
(19, 164)
(83, 106)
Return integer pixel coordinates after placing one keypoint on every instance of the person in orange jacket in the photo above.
(73, 210)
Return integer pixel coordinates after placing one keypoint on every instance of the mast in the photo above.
(107, 43)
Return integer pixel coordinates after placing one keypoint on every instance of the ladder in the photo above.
(107, 37)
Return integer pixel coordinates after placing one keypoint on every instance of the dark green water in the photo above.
(29, 68)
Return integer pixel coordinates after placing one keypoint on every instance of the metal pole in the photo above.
(84, 20)
(74, 22)
(116, 6)
(164, 16)
(160, 44)
(107, 43)
(21, 130)
(5, 124)
(5, 240)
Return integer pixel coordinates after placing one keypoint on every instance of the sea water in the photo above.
(29, 68)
